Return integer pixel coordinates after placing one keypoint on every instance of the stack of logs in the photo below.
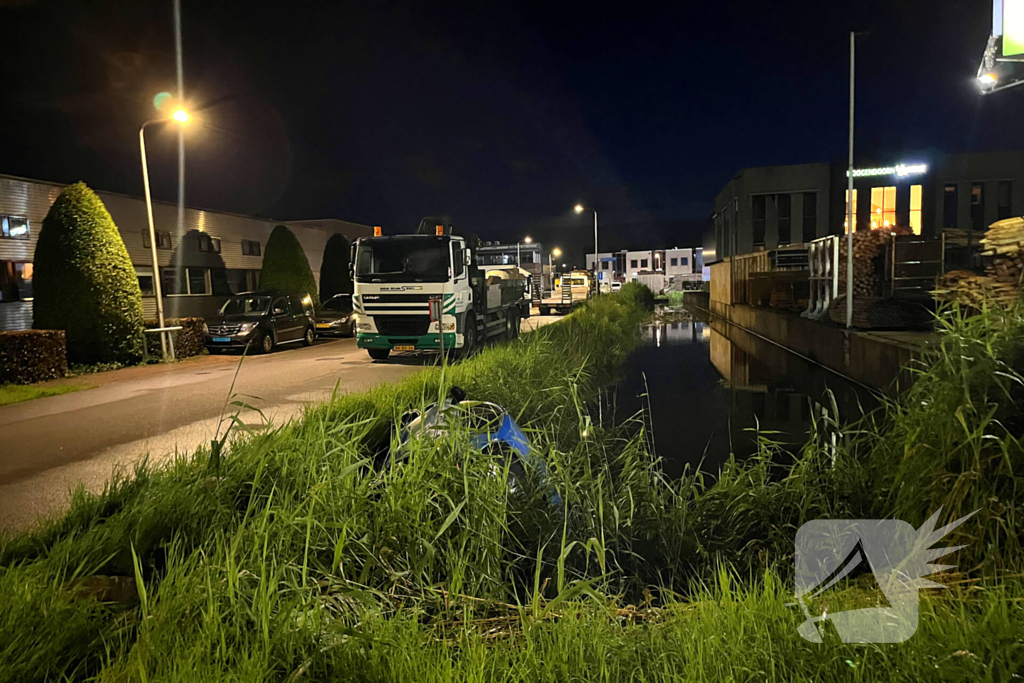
(1001, 283)
(868, 245)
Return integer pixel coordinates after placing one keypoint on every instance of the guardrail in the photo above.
(823, 257)
(161, 331)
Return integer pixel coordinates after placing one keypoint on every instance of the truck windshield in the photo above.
(402, 259)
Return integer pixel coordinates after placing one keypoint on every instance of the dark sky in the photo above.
(503, 115)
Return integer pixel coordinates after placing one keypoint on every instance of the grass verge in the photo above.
(16, 393)
(291, 557)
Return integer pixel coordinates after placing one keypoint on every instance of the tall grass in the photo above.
(296, 558)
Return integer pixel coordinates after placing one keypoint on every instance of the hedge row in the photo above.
(188, 341)
(28, 356)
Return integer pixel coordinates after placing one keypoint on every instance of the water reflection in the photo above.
(709, 387)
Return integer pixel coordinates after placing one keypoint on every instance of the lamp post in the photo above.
(181, 116)
(556, 252)
(519, 256)
(579, 209)
(849, 195)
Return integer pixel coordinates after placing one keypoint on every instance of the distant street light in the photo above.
(527, 240)
(181, 116)
(580, 209)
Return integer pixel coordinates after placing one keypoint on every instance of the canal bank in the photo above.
(876, 358)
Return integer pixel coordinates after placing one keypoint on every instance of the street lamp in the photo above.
(519, 259)
(580, 209)
(180, 116)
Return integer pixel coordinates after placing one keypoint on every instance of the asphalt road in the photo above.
(50, 446)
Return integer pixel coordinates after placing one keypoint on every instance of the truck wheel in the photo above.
(379, 354)
(513, 325)
(544, 310)
(468, 337)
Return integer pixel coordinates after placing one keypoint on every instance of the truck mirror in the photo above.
(469, 257)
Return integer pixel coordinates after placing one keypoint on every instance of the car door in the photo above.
(299, 320)
(282, 319)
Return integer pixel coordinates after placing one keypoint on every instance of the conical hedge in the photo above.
(85, 283)
(334, 275)
(285, 265)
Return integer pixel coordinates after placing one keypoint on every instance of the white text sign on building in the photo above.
(898, 170)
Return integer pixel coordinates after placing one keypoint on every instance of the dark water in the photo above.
(708, 386)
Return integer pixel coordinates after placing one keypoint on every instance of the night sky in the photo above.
(502, 115)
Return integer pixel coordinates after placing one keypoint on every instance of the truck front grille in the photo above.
(402, 325)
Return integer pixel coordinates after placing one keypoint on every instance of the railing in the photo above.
(823, 256)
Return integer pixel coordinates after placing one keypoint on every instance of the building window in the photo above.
(643, 263)
(977, 207)
(13, 227)
(632, 263)
(883, 207)
(250, 248)
(1004, 196)
(209, 244)
(674, 262)
(846, 215)
(163, 239)
(605, 265)
(950, 206)
(15, 281)
(810, 228)
(145, 276)
(182, 281)
(758, 203)
(916, 192)
(683, 260)
(784, 202)
(239, 281)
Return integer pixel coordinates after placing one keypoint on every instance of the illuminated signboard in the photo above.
(900, 170)
(1013, 28)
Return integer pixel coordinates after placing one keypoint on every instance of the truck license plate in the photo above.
(406, 347)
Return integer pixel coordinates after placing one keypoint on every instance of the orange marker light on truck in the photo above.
(377, 232)
(439, 230)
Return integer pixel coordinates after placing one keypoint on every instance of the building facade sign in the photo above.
(901, 170)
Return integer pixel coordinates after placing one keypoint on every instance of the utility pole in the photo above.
(849, 194)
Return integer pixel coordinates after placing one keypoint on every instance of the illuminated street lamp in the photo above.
(180, 116)
(527, 240)
(580, 209)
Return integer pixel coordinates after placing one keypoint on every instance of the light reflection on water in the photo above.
(708, 386)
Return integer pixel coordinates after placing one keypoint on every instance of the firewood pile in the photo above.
(1001, 283)
(868, 268)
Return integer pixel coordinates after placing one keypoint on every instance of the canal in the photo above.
(706, 389)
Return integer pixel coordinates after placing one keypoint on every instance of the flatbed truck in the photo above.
(396, 278)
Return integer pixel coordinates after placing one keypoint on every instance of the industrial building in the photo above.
(212, 256)
(774, 206)
(659, 269)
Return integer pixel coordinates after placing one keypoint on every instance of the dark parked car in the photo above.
(261, 321)
(335, 317)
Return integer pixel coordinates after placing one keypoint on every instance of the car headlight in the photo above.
(206, 329)
(339, 322)
(247, 327)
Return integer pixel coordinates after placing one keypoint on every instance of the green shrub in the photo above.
(334, 275)
(285, 265)
(639, 294)
(85, 283)
(188, 341)
(28, 356)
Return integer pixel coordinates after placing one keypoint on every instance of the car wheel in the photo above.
(307, 340)
(351, 331)
(265, 344)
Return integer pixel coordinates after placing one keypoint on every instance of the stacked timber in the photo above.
(868, 245)
(1004, 255)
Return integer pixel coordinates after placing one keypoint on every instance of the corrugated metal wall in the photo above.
(32, 200)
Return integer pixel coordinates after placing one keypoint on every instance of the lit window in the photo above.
(846, 219)
(883, 207)
(915, 209)
(13, 227)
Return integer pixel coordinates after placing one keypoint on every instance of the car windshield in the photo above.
(246, 305)
(339, 304)
(399, 259)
